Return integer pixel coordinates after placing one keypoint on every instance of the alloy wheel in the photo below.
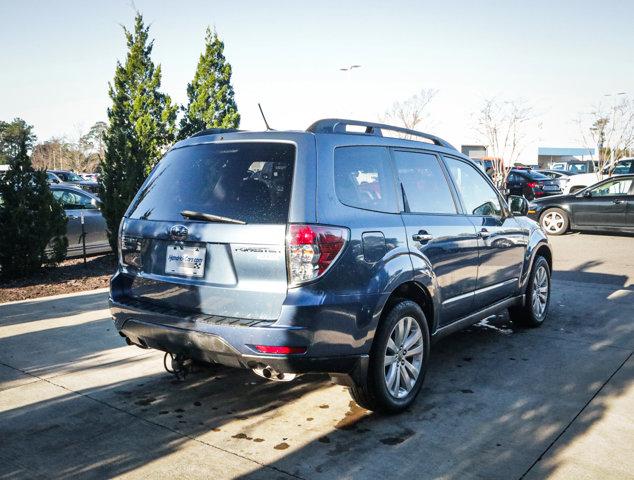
(403, 357)
(539, 298)
(553, 222)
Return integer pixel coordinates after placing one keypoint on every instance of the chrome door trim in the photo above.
(479, 291)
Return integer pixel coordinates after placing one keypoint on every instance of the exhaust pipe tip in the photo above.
(269, 373)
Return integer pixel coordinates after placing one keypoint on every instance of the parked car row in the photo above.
(56, 177)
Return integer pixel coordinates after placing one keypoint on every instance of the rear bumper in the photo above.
(229, 343)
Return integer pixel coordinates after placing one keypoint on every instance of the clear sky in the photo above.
(560, 56)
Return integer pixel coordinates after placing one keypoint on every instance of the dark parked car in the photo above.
(72, 178)
(607, 205)
(322, 251)
(78, 203)
(531, 184)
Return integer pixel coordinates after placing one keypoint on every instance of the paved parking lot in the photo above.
(499, 402)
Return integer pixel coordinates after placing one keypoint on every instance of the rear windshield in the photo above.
(243, 181)
(534, 175)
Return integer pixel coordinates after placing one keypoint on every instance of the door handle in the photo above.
(616, 201)
(73, 217)
(484, 233)
(422, 236)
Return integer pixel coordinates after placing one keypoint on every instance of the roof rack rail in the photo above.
(215, 131)
(338, 125)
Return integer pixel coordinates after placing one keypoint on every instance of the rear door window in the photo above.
(535, 175)
(248, 181)
(364, 179)
(424, 183)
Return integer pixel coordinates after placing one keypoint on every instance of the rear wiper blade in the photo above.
(210, 217)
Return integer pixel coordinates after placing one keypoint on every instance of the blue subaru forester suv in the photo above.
(337, 249)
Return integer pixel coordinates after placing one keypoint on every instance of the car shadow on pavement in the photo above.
(582, 275)
(495, 398)
(109, 430)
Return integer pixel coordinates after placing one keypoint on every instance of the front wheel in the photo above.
(535, 308)
(554, 221)
(398, 361)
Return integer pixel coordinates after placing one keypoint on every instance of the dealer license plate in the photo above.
(186, 261)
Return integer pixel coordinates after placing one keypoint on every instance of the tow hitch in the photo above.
(180, 365)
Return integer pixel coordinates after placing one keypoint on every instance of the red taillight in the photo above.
(531, 184)
(280, 350)
(311, 249)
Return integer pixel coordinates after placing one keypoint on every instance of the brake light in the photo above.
(531, 184)
(280, 350)
(311, 249)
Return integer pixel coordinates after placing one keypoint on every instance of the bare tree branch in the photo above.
(611, 130)
(411, 112)
(502, 126)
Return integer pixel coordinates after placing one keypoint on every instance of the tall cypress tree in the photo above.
(31, 218)
(141, 123)
(210, 94)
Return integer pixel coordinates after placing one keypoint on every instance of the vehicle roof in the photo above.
(619, 177)
(526, 172)
(326, 134)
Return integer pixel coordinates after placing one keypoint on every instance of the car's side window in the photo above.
(478, 196)
(73, 200)
(364, 178)
(424, 184)
(612, 188)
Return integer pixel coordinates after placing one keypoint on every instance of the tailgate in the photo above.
(229, 258)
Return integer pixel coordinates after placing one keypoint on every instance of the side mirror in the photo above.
(587, 194)
(518, 205)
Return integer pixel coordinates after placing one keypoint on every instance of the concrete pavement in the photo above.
(499, 401)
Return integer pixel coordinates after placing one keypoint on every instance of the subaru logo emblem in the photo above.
(179, 232)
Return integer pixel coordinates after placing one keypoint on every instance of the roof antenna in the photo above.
(264, 118)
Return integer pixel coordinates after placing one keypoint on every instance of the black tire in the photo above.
(549, 227)
(372, 392)
(526, 314)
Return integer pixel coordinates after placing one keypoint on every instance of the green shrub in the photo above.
(30, 218)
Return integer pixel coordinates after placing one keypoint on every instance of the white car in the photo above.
(583, 180)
